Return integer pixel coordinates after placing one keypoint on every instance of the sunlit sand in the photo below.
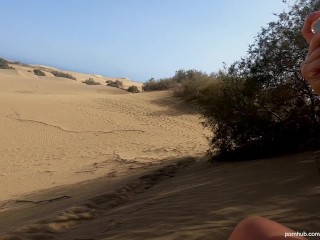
(96, 162)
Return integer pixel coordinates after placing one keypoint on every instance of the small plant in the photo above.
(91, 81)
(116, 84)
(38, 72)
(158, 85)
(133, 89)
(62, 74)
(4, 64)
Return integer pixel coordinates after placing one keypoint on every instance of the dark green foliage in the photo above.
(62, 74)
(133, 89)
(189, 84)
(38, 72)
(157, 85)
(4, 64)
(116, 84)
(186, 84)
(91, 81)
(262, 105)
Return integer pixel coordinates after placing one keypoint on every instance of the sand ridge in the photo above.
(57, 131)
(184, 201)
(97, 206)
(95, 162)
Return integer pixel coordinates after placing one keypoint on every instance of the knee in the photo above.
(248, 229)
(252, 222)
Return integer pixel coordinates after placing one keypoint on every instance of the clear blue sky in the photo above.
(138, 39)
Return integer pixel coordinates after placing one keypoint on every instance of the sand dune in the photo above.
(57, 131)
(94, 162)
(188, 199)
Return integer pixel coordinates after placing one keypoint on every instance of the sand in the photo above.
(95, 162)
(57, 131)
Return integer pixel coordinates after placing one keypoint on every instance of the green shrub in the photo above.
(4, 64)
(62, 74)
(38, 72)
(186, 84)
(261, 105)
(116, 84)
(133, 89)
(91, 81)
(157, 85)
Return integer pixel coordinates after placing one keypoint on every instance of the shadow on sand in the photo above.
(193, 199)
(175, 106)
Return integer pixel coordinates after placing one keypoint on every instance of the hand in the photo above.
(310, 68)
(307, 27)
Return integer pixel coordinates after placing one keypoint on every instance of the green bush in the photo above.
(261, 105)
(186, 84)
(4, 64)
(91, 81)
(133, 89)
(190, 83)
(116, 84)
(38, 72)
(157, 85)
(62, 74)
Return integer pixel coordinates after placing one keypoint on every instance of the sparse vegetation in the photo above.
(133, 89)
(116, 84)
(260, 105)
(189, 84)
(158, 85)
(38, 72)
(263, 105)
(186, 84)
(62, 74)
(4, 64)
(91, 81)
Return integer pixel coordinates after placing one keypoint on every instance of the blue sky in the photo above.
(138, 39)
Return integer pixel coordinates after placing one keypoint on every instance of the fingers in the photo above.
(310, 68)
(314, 43)
(316, 86)
(311, 72)
(313, 55)
(307, 27)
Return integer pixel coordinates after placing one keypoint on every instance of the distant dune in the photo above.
(80, 161)
(80, 77)
(56, 131)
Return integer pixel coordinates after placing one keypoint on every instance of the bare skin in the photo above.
(310, 68)
(258, 228)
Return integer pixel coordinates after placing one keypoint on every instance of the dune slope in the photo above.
(56, 131)
(86, 162)
(187, 199)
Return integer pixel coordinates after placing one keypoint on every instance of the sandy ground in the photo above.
(94, 162)
(56, 131)
(187, 199)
